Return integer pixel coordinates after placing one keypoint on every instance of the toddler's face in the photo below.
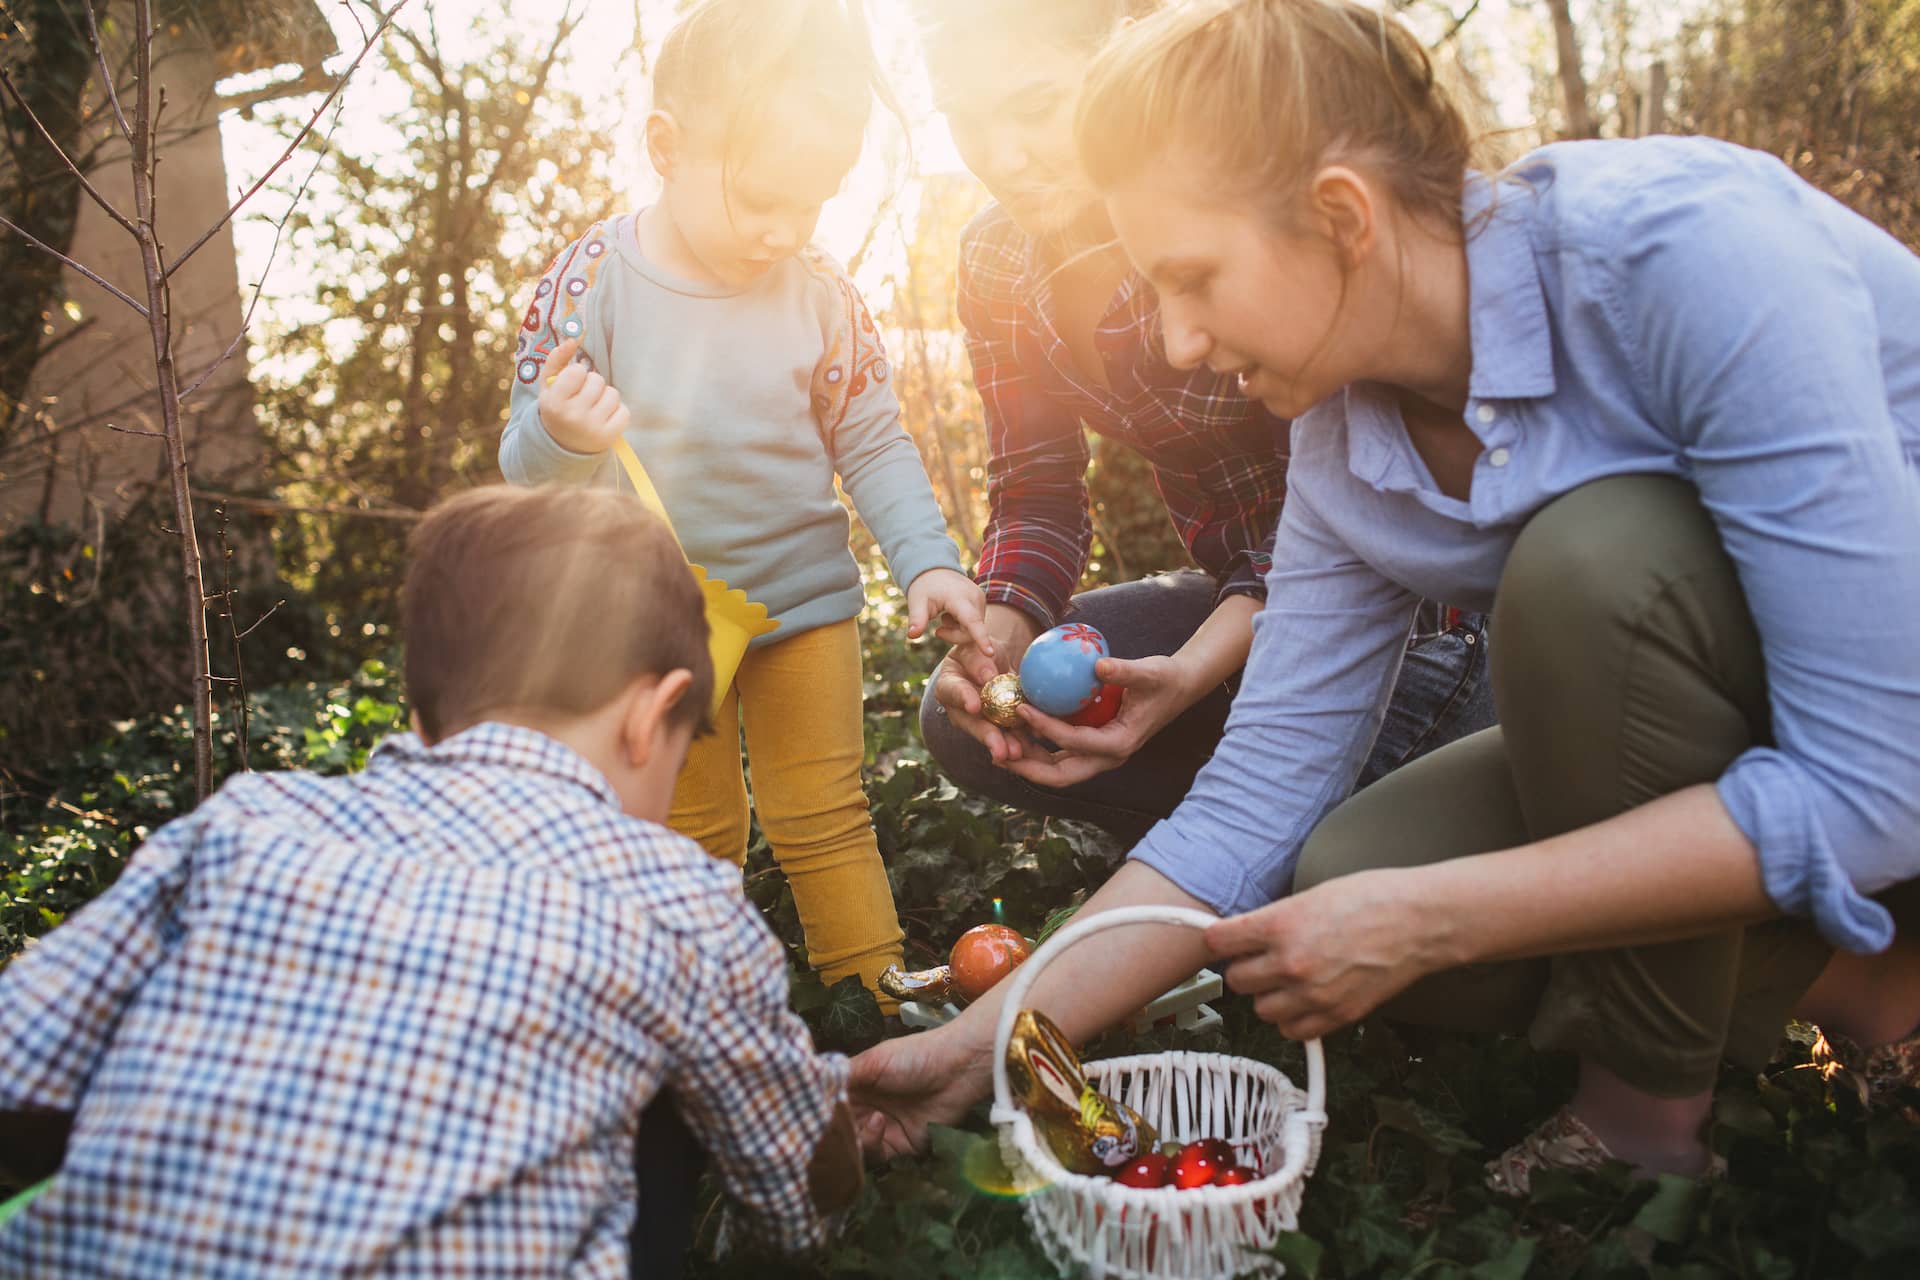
(738, 225)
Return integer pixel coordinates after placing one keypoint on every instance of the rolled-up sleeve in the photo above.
(1326, 652)
(1760, 344)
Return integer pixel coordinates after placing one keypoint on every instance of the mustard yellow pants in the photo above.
(799, 701)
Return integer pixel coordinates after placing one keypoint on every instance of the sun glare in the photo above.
(602, 64)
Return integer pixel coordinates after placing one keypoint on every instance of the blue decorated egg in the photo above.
(1057, 673)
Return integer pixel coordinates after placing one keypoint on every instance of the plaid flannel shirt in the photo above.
(1219, 459)
(404, 1023)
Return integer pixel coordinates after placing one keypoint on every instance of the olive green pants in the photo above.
(1625, 667)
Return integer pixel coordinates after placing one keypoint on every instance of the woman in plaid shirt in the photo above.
(1063, 337)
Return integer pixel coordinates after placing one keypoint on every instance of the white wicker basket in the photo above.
(1094, 1226)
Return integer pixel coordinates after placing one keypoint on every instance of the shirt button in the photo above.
(1486, 413)
(1499, 457)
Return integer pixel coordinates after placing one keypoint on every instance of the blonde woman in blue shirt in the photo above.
(1656, 404)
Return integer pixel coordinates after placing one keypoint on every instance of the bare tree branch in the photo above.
(386, 21)
(270, 505)
(6, 82)
(106, 73)
(279, 229)
(44, 247)
(1458, 23)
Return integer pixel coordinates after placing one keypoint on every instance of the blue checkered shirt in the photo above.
(404, 1023)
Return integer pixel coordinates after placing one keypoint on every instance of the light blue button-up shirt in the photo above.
(1670, 306)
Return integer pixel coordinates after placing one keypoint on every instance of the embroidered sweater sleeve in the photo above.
(565, 304)
(1038, 530)
(859, 417)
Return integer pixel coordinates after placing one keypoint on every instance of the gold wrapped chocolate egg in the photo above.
(1000, 700)
(929, 986)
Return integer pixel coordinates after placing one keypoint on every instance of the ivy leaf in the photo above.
(1300, 1254)
(1433, 1132)
(851, 1019)
(1511, 1264)
(1669, 1215)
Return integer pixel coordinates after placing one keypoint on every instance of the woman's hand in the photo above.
(949, 592)
(1323, 959)
(900, 1086)
(958, 678)
(1156, 691)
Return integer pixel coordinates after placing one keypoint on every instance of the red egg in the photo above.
(1150, 1170)
(1104, 707)
(1199, 1162)
(1234, 1175)
(985, 954)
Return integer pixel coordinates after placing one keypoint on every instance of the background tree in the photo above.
(1830, 86)
(385, 384)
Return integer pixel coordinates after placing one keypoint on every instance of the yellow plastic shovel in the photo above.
(732, 619)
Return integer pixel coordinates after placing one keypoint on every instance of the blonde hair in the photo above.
(1270, 91)
(740, 59)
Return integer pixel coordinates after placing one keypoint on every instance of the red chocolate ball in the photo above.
(1234, 1175)
(1150, 1170)
(1200, 1161)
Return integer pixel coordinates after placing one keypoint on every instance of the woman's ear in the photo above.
(1343, 206)
(662, 133)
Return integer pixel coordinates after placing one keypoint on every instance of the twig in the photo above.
(272, 505)
(239, 680)
(135, 431)
(279, 229)
(386, 20)
(6, 81)
(1458, 23)
(262, 618)
(65, 261)
(106, 74)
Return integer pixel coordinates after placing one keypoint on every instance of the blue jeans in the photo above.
(1443, 694)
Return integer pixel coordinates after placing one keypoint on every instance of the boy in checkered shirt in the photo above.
(406, 1022)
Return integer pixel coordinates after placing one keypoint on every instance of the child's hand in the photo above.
(939, 591)
(578, 407)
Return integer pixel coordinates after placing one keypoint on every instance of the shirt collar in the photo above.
(505, 745)
(1511, 335)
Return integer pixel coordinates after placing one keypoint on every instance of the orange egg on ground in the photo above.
(985, 954)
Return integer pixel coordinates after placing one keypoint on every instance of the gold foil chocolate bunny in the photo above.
(1086, 1131)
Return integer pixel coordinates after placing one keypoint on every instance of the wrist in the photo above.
(1426, 898)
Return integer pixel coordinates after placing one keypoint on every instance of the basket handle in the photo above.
(1023, 978)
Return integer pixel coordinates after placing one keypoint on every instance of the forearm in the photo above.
(1674, 868)
(1220, 647)
(1102, 980)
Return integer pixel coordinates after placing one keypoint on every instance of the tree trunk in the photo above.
(1573, 81)
(41, 195)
